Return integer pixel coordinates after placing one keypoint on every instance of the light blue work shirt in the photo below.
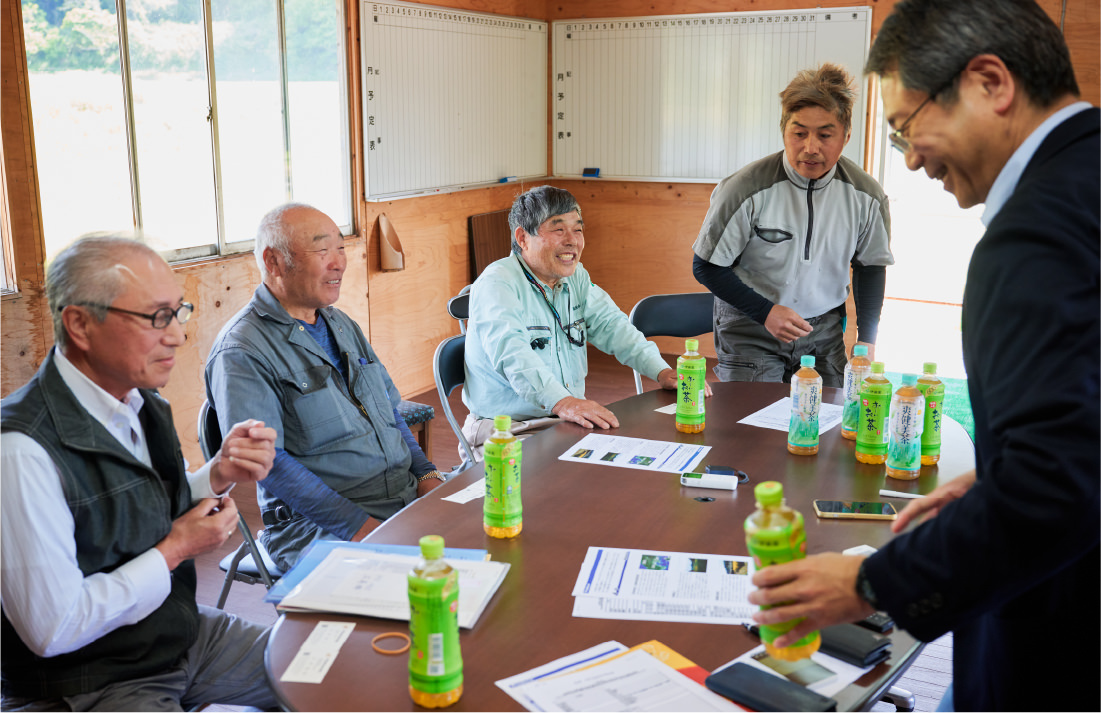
(506, 375)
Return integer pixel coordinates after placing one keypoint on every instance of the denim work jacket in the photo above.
(264, 365)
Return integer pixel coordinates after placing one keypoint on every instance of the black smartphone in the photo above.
(750, 686)
(855, 509)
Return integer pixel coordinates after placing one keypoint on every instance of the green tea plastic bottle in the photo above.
(932, 388)
(907, 422)
(774, 534)
(806, 404)
(875, 404)
(435, 660)
(691, 378)
(855, 371)
(503, 512)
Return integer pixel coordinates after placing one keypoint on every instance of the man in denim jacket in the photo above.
(345, 459)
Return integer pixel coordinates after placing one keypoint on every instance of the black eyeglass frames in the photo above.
(160, 319)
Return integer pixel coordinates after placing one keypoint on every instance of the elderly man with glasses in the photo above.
(101, 520)
(780, 238)
(985, 100)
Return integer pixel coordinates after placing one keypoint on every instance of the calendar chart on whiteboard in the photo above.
(451, 99)
(691, 97)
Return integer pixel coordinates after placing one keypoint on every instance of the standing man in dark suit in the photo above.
(981, 94)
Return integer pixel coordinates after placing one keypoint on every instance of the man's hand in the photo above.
(871, 351)
(247, 452)
(821, 589)
(201, 529)
(932, 503)
(426, 486)
(585, 413)
(367, 529)
(667, 379)
(786, 325)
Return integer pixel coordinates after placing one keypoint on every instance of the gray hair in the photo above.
(929, 42)
(829, 87)
(87, 273)
(272, 233)
(532, 209)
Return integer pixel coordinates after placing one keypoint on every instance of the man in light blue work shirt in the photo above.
(531, 315)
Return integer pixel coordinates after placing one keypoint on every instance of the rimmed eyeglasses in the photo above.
(160, 319)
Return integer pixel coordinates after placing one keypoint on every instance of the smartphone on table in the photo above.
(855, 510)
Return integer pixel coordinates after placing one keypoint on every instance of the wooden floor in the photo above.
(608, 382)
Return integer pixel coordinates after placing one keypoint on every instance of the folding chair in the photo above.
(450, 372)
(250, 563)
(686, 314)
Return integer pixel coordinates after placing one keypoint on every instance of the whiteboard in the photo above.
(691, 98)
(451, 99)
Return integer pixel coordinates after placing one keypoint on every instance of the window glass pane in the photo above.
(250, 111)
(318, 107)
(173, 141)
(79, 125)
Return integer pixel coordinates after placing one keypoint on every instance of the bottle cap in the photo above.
(769, 493)
(929, 367)
(909, 379)
(806, 360)
(878, 367)
(860, 350)
(691, 345)
(502, 423)
(432, 545)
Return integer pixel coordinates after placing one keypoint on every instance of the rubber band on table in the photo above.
(390, 635)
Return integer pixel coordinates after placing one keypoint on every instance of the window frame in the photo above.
(223, 247)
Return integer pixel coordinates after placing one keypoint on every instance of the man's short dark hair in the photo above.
(929, 42)
(533, 208)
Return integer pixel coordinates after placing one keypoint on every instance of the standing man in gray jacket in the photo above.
(779, 239)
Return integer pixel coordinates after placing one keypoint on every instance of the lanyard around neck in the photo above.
(557, 318)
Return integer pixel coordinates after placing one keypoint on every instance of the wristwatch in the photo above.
(864, 587)
(432, 474)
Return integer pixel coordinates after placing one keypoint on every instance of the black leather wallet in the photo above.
(763, 691)
(855, 644)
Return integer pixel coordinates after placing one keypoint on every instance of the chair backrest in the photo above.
(449, 370)
(686, 314)
(210, 435)
(459, 307)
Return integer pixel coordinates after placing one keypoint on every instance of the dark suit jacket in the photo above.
(1013, 567)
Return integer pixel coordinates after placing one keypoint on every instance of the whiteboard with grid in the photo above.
(451, 98)
(690, 97)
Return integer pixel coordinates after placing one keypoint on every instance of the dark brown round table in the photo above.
(569, 507)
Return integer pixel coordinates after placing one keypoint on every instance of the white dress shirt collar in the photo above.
(120, 418)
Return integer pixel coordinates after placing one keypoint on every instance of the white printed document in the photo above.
(635, 681)
(777, 416)
(637, 453)
(649, 585)
(351, 581)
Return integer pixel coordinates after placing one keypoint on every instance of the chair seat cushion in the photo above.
(247, 565)
(414, 412)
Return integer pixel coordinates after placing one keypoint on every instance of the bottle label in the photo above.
(850, 414)
(435, 660)
(871, 430)
(691, 377)
(907, 423)
(503, 506)
(806, 403)
(934, 406)
(776, 545)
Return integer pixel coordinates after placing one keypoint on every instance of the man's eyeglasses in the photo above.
(160, 319)
(898, 140)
